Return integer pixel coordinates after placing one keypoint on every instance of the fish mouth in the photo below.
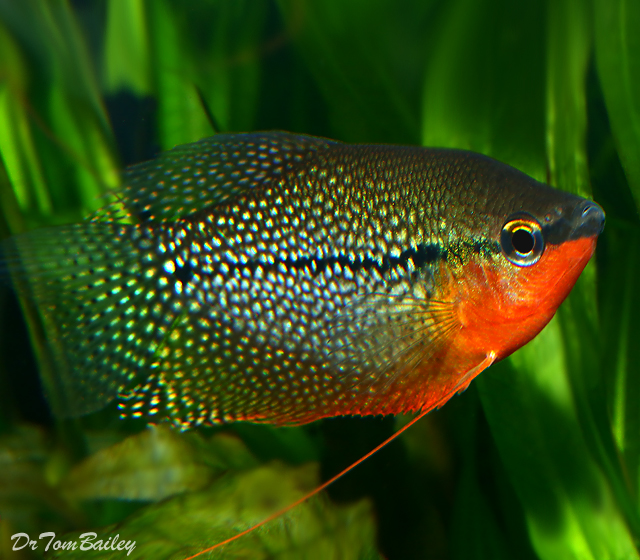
(586, 220)
(589, 219)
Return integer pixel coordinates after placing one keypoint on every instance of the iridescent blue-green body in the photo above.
(271, 277)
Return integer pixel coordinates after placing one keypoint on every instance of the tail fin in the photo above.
(86, 282)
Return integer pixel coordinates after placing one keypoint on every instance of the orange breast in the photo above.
(504, 307)
(499, 308)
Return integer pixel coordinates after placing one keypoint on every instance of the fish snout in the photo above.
(588, 220)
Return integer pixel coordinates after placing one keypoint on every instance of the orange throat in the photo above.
(507, 306)
(498, 308)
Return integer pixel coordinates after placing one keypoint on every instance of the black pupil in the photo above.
(522, 241)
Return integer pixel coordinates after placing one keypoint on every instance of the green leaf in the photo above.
(478, 533)
(479, 529)
(155, 464)
(569, 55)
(55, 138)
(210, 55)
(568, 50)
(368, 73)
(28, 496)
(569, 507)
(126, 49)
(618, 59)
(187, 524)
(17, 144)
(621, 370)
(484, 86)
(292, 444)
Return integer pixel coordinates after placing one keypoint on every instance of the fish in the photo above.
(282, 278)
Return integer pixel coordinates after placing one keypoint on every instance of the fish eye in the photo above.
(521, 240)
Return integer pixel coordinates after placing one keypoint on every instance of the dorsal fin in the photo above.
(194, 176)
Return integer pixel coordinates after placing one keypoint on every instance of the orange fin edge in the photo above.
(474, 372)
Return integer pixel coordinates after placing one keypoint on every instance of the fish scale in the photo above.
(283, 278)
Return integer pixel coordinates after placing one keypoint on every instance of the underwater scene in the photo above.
(244, 243)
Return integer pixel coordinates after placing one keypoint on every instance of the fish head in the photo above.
(541, 239)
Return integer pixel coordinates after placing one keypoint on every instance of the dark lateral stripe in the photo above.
(422, 255)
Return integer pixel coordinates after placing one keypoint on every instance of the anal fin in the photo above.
(474, 372)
